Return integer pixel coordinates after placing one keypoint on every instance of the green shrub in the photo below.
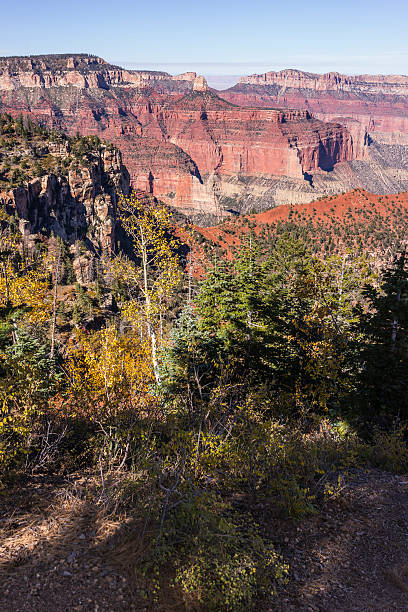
(389, 450)
(215, 557)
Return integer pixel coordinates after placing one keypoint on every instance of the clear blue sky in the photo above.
(216, 37)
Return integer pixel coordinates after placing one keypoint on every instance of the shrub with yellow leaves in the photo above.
(110, 373)
(110, 379)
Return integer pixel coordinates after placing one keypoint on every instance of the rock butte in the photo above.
(379, 102)
(211, 155)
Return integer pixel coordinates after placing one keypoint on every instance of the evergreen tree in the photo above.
(189, 365)
(382, 382)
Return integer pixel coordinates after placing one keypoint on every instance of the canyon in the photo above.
(212, 154)
(378, 102)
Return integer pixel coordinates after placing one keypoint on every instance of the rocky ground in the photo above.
(354, 556)
(55, 556)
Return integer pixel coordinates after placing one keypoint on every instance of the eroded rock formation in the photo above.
(180, 141)
(79, 205)
(378, 102)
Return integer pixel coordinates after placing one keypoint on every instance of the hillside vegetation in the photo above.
(206, 408)
(357, 221)
(28, 150)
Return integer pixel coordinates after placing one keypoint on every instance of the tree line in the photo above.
(201, 398)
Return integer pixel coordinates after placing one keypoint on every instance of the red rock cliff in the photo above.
(379, 102)
(177, 137)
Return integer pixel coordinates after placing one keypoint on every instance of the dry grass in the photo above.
(398, 576)
(49, 521)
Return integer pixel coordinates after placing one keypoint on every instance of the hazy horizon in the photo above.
(222, 75)
(237, 69)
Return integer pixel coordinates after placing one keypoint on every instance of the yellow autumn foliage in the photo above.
(148, 226)
(27, 288)
(109, 374)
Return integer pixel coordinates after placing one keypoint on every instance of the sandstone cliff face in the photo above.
(378, 102)
(80, 71)
(79, 206)
(185, 147)
(257, 141)
(332, 81)
(177, 137)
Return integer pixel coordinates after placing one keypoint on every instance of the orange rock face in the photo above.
(379, 103)
(177, 137)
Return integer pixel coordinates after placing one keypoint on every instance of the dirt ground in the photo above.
(55, 554)
(354, 556)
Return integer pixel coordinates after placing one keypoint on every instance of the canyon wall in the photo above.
(79, 206)
(180, 141)
(378, 102)
(80, 71)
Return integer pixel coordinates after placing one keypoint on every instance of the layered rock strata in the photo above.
(378, 102)
(179, 139)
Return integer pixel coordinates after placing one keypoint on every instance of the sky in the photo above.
(221, 39)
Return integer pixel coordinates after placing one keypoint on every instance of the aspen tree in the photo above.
(56, 273)
(148, 227)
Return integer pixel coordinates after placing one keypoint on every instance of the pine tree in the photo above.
(383, 349)
(189, 365)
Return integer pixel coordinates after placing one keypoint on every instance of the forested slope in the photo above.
(185, 410)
